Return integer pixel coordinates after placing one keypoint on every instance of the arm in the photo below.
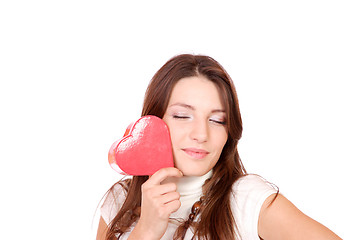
(282, 220)
(102, 229)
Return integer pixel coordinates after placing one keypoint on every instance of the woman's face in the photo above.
(196, 119)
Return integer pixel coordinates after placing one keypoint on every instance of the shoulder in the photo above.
(114, 199)
(248, 195)
(252, 184)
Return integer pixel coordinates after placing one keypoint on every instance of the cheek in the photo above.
(174, 134)
(170, 127)
(222, 139)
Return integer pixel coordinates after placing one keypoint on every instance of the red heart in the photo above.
(144, 149)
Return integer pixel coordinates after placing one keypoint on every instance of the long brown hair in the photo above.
(217, 221)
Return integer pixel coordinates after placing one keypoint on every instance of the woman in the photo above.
(208, 194)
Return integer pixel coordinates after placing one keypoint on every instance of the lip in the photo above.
(196, 152)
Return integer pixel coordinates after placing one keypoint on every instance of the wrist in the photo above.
(143, 233)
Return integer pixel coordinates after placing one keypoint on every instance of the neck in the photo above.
(188, 185)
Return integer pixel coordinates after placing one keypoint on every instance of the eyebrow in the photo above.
(193, 108)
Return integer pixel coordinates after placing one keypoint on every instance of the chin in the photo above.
(193, 170)
(194, 173)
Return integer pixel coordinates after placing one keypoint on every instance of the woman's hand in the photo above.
(157, 203)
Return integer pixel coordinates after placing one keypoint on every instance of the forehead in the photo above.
(196, 91)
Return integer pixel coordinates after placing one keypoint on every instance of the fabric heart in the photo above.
(144, 149)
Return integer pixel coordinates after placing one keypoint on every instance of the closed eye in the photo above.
(218, 122)
(217, 119)
(180, 117)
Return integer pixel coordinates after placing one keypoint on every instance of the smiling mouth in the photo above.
(195, 153)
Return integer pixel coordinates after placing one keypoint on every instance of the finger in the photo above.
(173, 206)
(164, 173)
(164, 188)
(155, 191)
(169, 197)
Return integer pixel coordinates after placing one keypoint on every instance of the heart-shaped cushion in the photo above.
(144, 149)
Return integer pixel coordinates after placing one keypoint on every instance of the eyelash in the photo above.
(180, 117)
(219, 122)
(186, 117)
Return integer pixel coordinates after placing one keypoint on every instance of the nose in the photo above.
(199, 131)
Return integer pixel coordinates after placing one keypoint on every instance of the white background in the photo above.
(73, 75)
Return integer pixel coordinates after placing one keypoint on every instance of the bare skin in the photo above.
(282, 220)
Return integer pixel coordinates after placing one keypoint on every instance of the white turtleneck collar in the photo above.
(190, 189)
(189, 185)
